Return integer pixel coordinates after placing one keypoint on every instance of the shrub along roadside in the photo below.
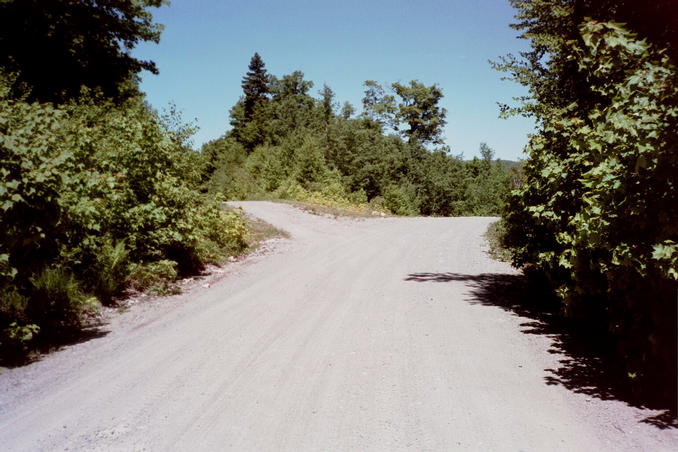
(93, 196)
(597, 213)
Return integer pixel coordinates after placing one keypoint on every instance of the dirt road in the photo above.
(379, 334)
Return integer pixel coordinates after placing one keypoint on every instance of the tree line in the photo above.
(285, 143)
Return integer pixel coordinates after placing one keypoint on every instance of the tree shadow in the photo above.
(18, 358)
(588, 364)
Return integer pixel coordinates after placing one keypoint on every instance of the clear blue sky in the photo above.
(207, 44)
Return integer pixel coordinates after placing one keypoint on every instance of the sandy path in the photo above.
(352, 335)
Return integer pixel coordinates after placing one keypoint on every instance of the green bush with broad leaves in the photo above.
(90, 191)
(598, 210)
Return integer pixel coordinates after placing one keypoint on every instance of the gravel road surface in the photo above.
(353, 335)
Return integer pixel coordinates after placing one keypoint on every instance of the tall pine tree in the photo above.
(254, 85)
(248, 116)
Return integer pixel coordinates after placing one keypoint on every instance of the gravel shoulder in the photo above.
(353, 334)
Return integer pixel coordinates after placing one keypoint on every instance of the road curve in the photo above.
(376, 334)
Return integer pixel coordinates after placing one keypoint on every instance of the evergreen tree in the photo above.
(248, 116)
(254, 86)
(298, 142)
(328, 103)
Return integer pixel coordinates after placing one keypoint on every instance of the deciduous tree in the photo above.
(420, 111)
(597, 211)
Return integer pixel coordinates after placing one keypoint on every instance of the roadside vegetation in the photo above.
(98, 192)
(596, 213)
(495, 235)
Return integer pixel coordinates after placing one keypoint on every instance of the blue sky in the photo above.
(207, 44)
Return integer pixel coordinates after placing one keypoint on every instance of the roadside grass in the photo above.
(258, 231)
(494, 233)
(328, 200)
(316, 203)
(328, 208)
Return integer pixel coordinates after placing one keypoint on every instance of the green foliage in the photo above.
(89, 189)
(232, 231)
(16, 332)
(20, 334)
(309, 163)
(379, 106)
(15, 339)
(290, 189)
(420, 111)
(597, 213)
(254, 85)
(442, 181)
(401, 199)
(59, 46)
(488, 184)
(266, 167)
(155, 277)
(347, 110)
(109, 272)
(97, 189)
(296, 147)
(57, 301)
(225, 170)
(248, 116)
(495, 234)
(327, 103)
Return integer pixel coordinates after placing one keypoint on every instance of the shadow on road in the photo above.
(18, 359)
(587, 364)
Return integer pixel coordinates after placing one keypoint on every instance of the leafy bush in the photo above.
(223, 233)
(87, 190)
(225, 172)
(309, 163)
(598, 212)
(401, 200)
(292, 190)
(108, 275)
(495, 234)
(266, 167)
(17, 330)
